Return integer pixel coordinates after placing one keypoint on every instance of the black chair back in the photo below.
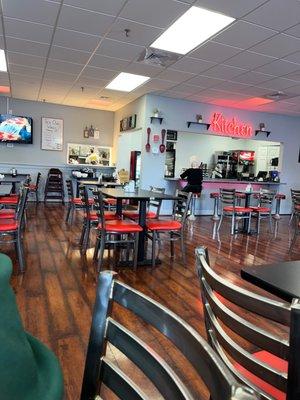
(104, 330)
(266, 198)
(20, 212)
(70, 189)
(228, 197)
(83, 194)
(216, 292)
(99, 207)
(38, 178)
(182, 205)
(156, 203)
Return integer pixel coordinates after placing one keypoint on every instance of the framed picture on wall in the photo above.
(52, 134)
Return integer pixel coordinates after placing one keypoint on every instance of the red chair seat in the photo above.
(240, 195)
(32, 187)
(214, 195)
(280, 196)
(164, 225)
(9, 200)
(7, 214)
(297, 207)
(237, 209)
(276, 363)
(121, 226)
(109, 216)
(8, 225)
(78, 202)
(135, 214)
(260, 209)
(111, 202)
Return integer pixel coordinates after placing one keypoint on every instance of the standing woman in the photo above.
(194, 177)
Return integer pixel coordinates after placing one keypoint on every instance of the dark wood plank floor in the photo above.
(56, 294)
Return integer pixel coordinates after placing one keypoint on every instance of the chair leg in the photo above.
(101, 252)
(86, 237)
(249, 223)
(153, 247)
(220, 222)
(182, 246)
(135, 258)
(270, 223)
(68, 212)
(291, 218)
(20, 252)
(232, 224)
(97, 246)
(171, 245)
(82, 233)
(36, 197)
(258, 224)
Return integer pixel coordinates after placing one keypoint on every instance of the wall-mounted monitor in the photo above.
(15, 129)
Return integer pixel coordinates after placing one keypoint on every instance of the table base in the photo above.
(143, 263)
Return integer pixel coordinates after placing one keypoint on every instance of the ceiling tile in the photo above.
(243, 35)
(204, 81)
(160, 13)
(98, 73)
(155, 84)
(187, 89)
(63, 66)
(75, 56)
(114, 48)
(86, 81)
(26, 47)
(59, 76)
(75, 40)
(224, 72)
(276, 14)
(295, 57)
(18, 79)
(173, 94)
(278, 46)
(294, 31)
(23, 59)
(233, 8)
(249, 60)
(252, 78)
(143, 69)
(140, 34)
(215, 52)
(2, 46)
(108, 62)
(175, 76)
(278, 84)
(278, 68)
(44, 12)
(232, 86)
(294, 76)
(84, 21)
(21, 69)
(111, 7)
(193, 65)
(28, 30)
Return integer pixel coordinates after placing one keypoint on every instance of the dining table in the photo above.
(95, 183)
(142, 197)
(248, 195)
(13, 180)
(281, 279)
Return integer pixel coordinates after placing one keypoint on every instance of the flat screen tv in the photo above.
(15, 129)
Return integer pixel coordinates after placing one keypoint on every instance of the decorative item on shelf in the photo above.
(162, 147)
(128, 123)
(86, 132)
(157, 116)
(262, 129)
(199, 118)
(96, 134)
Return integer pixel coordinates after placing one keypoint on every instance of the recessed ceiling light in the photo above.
(3, 66)
(126, 82)
(192, 28)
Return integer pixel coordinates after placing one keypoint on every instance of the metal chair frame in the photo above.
(228, 198)
(16, 235)
(265, 199)
(181, 208)
(295, 196)
(214, 289)
(104, 329)
(110, 239)
(71, 206)
(87, 222)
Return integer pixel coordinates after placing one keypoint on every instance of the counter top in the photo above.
(230, 181)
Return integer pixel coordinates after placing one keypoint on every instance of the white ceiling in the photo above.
(56, 47)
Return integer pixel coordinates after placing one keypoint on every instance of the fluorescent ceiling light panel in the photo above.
(126, 82)
(191, 29)
(3, 66)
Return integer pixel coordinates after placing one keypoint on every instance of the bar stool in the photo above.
(216, 197)
(195, 196)
(278, 198)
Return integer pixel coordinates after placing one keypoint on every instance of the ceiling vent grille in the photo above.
(276, 96)
(158, 57)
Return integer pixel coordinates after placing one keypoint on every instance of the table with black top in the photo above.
(142, 197)
(94, 182)
(281, 279)
(13, 180)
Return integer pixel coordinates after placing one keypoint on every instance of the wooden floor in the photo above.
(56, 294)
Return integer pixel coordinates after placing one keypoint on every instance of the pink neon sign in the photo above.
(230, 127)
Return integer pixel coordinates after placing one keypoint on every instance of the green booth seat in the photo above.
(29, 370)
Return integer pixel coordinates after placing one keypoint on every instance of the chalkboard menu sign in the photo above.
(52, 134)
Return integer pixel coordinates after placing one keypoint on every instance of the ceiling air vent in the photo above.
(158, 57)
(276, 96)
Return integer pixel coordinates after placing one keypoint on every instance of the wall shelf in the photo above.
(189, 123)
(159, 119)
(260, 131)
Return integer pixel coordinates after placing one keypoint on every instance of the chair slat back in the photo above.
(83, 194)
(156, 203)
(216, 292)
(182, 206)
(266, 197)
(227, 197)
(70, 189)
(38, 178)
(20, 212)
(99, 207)
(104, 329)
